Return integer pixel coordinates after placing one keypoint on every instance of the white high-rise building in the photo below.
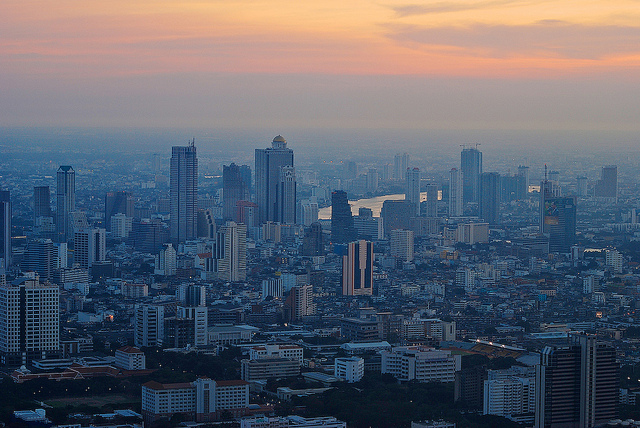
(402, 244)
(89, 247)
(614, 259)
(231, 248)
(29, 321)
(166, 261)
(511, 393)
(199, 315)
(121, 225)
(412, 188)
(148, 323)
(455, 193)
(308, 211)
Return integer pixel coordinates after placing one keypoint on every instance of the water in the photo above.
(374, 203)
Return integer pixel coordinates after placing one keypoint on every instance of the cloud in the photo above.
(544, 39)
(447, 6)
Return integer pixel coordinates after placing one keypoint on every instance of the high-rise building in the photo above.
(183, 193)
(269, 162)
(490, 197)
(432, 200)
(29, 321)
(121, 225)
(89, 247)
(350, 170)
(148, 329)
(231, 252)
(581, 186)
(117, 203)
(471, 167)
(5, 229)
(286, 196)
(235, 189)
(307, 211)
(299, 303)
(66, 202)
(40, 257)
(577, 384)
(412, 188)
(313, 242)
(357, 269)
(401, 242)
(523, 171)
(455, 193)
(166, 261)
(400, 166)
(557, 217)
(342, 229)
(191, 295)
(372, 180)
(607, 186)
(397, 215)
(41, 202)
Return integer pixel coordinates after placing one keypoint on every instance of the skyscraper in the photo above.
(312, 242)
(557, 217)
(397, 215)
(231, 252)
(412, 188)
(235, 189)
(357, 269)
(523, 171)
(29, 321)
(432, 200)
(148, 325)
(66, 201)
(342, 229)
(89, 247)
(286, 196)
(455, 193)
(490, 197)
(401, 243)
(41, 202)
(183, 193)
(40, 257)
(577, 384)
(299, 303)
(5, 229)
(607, 186)
(471, 167)
(117, 203)
(400, 166)
(269, 162)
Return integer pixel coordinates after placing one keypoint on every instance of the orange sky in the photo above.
(486, 38)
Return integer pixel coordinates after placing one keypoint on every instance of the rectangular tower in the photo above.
(235, 189)
(412, 188)
(5, 229)
(269, 162)
(183, 193)
(455, 193)
(471, 167)
(66, 202)
(357, 269)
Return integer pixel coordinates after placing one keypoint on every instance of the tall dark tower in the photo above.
(471, 167)
(557, 217)
(5, 228)
(117, 203)
(342, 229)
(183, 193)
(41, 202)
(269, 162)
(235, 189)
(66, 202)
(490, 197)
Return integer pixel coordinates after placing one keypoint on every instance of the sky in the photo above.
(279, 65)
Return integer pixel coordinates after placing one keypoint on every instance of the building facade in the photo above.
(269, 163)
(183, 186)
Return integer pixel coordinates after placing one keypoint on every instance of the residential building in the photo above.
(421, 364)
(412, 188)
(432, 200)
(357, 269)
(350, 369)
(148, 328)
(231, 244)
(455, 193)
(401, 243)
(89, 247)
(299, 303)
(130, 358)
(490, 197)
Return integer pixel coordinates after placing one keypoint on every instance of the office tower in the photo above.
(231, 248)
(307, 211)
(121, 226)
(269, 161)
(471, 168)
(41, 202)
(29, 321)
(117, 203)
(206, 224)
(490, 197)
(581, 186)
(66, 201)
(245, 174)
(372, 180)
(148, 325)
(342, 229)
(183, 193)
(397, 215)
(357, 269)
(432, 200)
(350, 170)
(235, 189)
(196, 318)
(5, 229)
(577, 384)
(40, 257)
(512, 188)
(148, 235)
(400, 166)
(166, 261)
(299, 303)
(412, 188)
(523, 171)
(557, 217)
(401, 242)
(607, 186)
(89, 247)
(247, 213)
(312, 242)
(286, 196)
(455, 193)
(272, 287)
(191, 295)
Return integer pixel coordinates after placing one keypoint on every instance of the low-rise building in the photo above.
(290, 352)
(350, 369)
(292, 421)
(130, 358)
(420, 363)
(267, 368)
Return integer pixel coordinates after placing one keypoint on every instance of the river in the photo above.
(374, 203)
